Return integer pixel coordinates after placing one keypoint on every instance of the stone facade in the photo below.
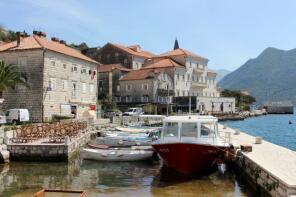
(52, 77)
(110, 54)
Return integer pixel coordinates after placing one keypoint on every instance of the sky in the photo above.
(227, 32)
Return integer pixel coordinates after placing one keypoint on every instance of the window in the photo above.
(83, 87)
(206, 130)
(128, 87)
(145, 86)
(190, 65)
(74, 89)
(117, 98)
(188, 77)
(125, 61)
(178, 93)
(129, 99)
(52, 83)
(183, 93)
(183, 77)
(52, 62)
(74, 68)
(100, 83)
(83, 71)
(64, 66)
(178, 77)
(65, 85)
(189, 130)
(116, 55)
(171, 129)
(145, 98)
(118, 88)
(91, 88)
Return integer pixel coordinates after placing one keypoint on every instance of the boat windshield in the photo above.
(207, 130)
(170, 129)
(189, 130)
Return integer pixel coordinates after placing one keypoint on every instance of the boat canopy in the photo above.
(180, 128)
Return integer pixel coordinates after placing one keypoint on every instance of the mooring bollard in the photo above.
(236, 132)
(258, 140)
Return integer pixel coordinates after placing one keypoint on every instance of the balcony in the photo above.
(165, 92)
(198, 84)
(199, 70)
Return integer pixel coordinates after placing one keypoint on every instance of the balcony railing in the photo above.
(199, 84)
(165, 92)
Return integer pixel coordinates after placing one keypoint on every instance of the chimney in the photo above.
(55, 39)
(18, 38)
(20, 35)
(39, 33)
(63, 42)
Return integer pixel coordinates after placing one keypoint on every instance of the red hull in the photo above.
(189, 158)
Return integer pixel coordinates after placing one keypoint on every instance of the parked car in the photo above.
(2, 118)
(133, 111)
(112, 113)
(16, 116)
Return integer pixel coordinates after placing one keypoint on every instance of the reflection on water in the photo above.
(112, 179)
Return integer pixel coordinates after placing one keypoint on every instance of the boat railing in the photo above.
(226, 139)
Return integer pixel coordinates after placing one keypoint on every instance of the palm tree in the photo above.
(9, 78)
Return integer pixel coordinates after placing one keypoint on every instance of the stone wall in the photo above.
(262, 178)
(30, 64)
(47, 152)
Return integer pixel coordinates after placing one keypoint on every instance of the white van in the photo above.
(17, 115)
(133, 112)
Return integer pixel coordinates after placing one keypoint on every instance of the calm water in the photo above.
(273, 128)
(113, 179)
(141, 179)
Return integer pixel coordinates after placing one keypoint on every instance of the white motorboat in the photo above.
(116, 154)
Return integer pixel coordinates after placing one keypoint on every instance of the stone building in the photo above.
(132, 57)
(147, 86)
(108, 79)
(63, 81)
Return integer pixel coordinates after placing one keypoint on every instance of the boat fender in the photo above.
(120, 142)
(119, 154)
(138, 143)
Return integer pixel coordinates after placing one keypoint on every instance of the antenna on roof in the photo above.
(176, 45)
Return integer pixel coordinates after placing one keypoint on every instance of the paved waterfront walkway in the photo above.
(275, 159)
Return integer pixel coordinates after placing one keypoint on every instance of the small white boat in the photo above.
(124, 141)
(116, 154)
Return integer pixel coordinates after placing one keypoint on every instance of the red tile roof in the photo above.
(108, 68)
(131, 50)
(163, 63)
(140, 74)
(39, 42)
(182, 52)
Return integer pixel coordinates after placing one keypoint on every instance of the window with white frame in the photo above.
(83, 87)
(74, 68)
(91, 88)
(52, 83)
(178, 77)
(65, 84)
(74, 89)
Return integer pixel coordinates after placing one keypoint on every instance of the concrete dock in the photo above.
(270, 166)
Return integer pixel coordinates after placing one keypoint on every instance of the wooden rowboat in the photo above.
(60, 193)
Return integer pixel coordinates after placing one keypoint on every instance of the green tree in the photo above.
(10, 77)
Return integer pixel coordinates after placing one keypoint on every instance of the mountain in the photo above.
(269, 77)
(221, 73)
